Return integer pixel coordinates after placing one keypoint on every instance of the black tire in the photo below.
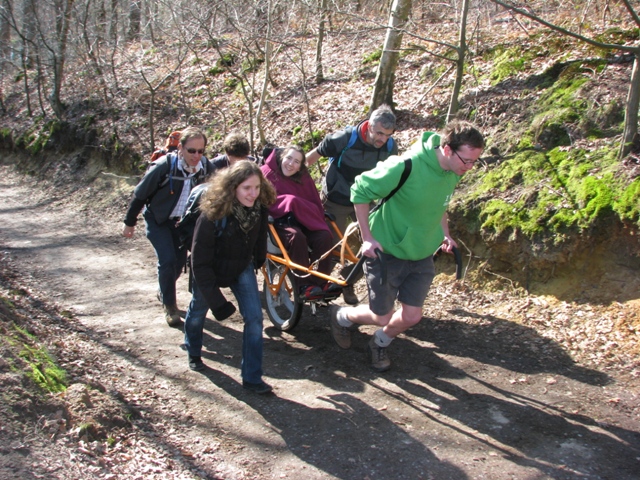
(285, 308)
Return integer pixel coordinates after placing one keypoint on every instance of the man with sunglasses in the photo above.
(163, 193)
(407, 229)
(373, 144)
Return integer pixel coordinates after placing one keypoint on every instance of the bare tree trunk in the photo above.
(267, 63)
(92, 54)
(631, 112)
(383, 88)
(113, 25)
(135, 15)
(63, 19)
(101, 21)
(150, 9)
(323, 16)
(29, 29)
(6, 12)
(462, 53)
(40, 86)
(152, 104)
(25, 76)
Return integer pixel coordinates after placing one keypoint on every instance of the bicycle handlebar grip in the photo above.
(458, 257)
(383, 267)
(355, 271)
(358, 266)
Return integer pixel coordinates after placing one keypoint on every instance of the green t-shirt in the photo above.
(408, 225)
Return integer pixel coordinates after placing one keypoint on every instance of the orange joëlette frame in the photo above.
(286, 261)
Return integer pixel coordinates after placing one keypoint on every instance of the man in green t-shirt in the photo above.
(407, 229)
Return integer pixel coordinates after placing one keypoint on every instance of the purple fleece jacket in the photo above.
(300, 198)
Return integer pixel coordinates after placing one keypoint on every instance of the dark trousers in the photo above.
(298, 241)
(171, 259)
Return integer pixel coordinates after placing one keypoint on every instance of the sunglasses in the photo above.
(193, 150)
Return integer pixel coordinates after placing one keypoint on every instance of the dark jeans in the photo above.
(245, 289)
(298, 241)
(171, 260)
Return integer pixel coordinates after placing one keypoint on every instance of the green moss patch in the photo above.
(510, 61)
(372, 57)
(30, 355)
(548, 194)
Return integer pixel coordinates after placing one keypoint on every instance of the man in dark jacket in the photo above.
(163, 194)
(373, 143)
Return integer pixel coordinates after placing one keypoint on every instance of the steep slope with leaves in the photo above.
(508, 383)
(547, 195)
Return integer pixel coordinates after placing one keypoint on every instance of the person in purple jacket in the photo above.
(299, 218)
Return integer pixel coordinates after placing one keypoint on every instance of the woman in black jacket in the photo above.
(229, 244)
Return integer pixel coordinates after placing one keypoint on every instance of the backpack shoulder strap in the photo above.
(350, 143)
(171, 161)
(403, 178)
(166, 178)
(205, 162)
(390, 145)
(221, 224)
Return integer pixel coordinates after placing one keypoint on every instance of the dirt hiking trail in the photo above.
(471, 394)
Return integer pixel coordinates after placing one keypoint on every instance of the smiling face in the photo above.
(248, 191)
(291, 162)
(192, 150)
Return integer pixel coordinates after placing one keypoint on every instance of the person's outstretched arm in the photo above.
(313, 156)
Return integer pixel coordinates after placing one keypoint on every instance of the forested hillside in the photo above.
(91, 87)
(528, 367)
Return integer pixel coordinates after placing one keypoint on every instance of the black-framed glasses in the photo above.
(194, 150)
(465, 161)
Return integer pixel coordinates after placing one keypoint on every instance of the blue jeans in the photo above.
(171, 260)
(245, 289)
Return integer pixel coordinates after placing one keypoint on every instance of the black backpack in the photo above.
(170, 175)
(187, 223)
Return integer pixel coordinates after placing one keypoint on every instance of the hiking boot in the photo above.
(311, 292)
(349, 295)
(172, 315)
(195, 363)
(259, 388)
(341, 335)
(379, 360)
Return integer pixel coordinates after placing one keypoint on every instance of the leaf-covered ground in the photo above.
(494, 382)
(489, 385)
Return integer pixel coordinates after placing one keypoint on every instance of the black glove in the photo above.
(225, 311)
(257, 264)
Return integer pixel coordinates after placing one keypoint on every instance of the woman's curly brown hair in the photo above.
(217, 201)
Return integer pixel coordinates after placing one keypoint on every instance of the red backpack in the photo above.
(171, 145)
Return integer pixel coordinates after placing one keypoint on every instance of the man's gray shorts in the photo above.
(407, 280)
